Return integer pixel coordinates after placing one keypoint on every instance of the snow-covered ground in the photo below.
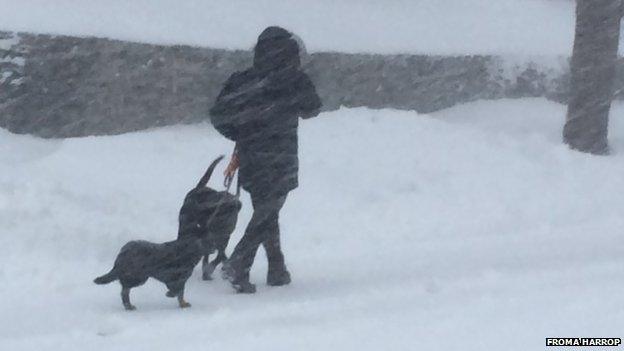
(469, 229)
(535, 27)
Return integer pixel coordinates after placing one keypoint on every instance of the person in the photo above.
(258, 108)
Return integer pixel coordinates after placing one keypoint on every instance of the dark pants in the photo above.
(263, 228)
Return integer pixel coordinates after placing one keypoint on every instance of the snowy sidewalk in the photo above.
(473, 228)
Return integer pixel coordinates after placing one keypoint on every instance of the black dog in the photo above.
(172, 262)
(211, 215)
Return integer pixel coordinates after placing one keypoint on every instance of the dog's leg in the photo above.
(125, 299)
(173, 289)
(209, 268)
(206, 271)
(181, 302)
(221, 256)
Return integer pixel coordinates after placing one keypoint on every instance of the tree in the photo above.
(593, 68)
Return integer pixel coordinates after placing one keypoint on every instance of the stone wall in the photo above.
(66, 86)
(60, 86)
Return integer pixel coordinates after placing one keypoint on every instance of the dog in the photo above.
(171, 262)
(212, 215)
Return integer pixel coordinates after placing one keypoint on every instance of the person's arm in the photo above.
(308, 101)
(225, 108)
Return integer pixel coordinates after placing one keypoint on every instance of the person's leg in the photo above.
(277, 274)
(273, 249)
(259, 228)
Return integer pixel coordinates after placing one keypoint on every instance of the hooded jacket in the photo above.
(259, 109)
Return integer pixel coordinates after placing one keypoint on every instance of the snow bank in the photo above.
(541, 27)
(471, 229)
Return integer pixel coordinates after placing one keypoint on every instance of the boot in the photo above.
(239, 281)
(244, 287)
(278, 276)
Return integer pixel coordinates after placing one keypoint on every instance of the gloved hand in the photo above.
(231, 168)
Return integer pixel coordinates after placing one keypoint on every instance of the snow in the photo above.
(18, 61)
(457, 27)
(472, 228)
(510, 67)
(6, 44)
(18, 81)
(4, 76)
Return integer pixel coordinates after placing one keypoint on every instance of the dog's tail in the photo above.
(106, 278)
(204, 180)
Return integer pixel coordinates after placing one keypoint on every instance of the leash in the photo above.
(227, 182)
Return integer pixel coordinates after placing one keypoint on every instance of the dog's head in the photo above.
(208, 213)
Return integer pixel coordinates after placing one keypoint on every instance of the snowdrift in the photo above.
(471, 228)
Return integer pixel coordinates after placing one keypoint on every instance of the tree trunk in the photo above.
(593, 70)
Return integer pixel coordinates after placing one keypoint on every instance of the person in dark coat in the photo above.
(259, 109)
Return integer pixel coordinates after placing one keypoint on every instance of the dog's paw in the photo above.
(184, 304)
(130, 307)
(170, 294)
(206, 277)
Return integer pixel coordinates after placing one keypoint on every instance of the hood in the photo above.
(276, 50)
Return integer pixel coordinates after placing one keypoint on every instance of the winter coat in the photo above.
(259, 109)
